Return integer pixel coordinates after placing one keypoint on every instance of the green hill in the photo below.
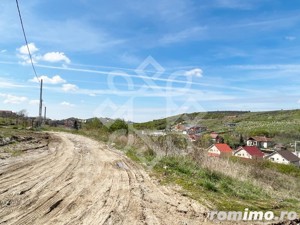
(283, 125)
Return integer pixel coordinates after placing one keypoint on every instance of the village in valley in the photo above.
(258, 145)
(254, 147)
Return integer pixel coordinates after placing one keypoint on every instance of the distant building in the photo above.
(216, 138)
(7, 113)
(189, 129)
(260, 142)
(279, 147)
(219, 150)
(156, 133)
(249, 152)
(194, 137)
(180, 128)
(284, 157)
(230, 125)
(196, 129)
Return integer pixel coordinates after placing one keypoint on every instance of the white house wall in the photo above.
(279, 159)
(243, 154)
(214, 150)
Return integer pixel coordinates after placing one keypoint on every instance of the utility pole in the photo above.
(296, 148)
(45, 113)
(41, 104)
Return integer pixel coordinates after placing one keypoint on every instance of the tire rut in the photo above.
(80, 181)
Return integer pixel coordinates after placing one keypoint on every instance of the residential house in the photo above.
(216, 138)
(7, 114)
(260, 142)
(230, 125)
(180, 128)
(196, 129)
(194, 137)
(279, 147)
(284, 157)
(296, 154)
(219, 149)
(249, 152)
(157, 133)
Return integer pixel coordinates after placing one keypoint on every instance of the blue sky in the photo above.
(144, 60)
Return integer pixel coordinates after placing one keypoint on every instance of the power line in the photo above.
(30, 56)
(35, 73)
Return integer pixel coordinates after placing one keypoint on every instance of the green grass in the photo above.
(132, 154)
(223, 192)
(16, 153)
(289, 170)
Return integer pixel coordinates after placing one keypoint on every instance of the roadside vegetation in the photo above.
(221, 184)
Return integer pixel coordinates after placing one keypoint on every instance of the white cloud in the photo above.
(48, 80)
(26, 60)
(3, 51)
(69, 87)
(194, 72)
(92, 94)
(34, 102)
(48, 57)
(56, 57)
(12, 99)
(23, 50)
(68, 104)
(299, 101)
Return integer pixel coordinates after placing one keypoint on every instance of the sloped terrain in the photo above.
(76, 180)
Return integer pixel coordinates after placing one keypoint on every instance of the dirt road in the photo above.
(77, 180)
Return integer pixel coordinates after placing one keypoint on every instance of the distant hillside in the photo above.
(191, 118)
(281, 124)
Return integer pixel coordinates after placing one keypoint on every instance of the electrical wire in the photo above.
(30, 56)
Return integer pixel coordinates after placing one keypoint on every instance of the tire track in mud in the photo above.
(81, 181)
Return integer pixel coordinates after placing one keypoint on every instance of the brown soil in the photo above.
(75, 180)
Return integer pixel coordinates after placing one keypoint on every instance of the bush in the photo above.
(119, 125)
(94, 123)
(149, 154)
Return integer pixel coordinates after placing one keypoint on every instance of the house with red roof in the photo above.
(249, 152)
(219, 149)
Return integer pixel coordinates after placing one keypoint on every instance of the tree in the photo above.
(76, 125)
(231, 140)
(94, 123)
(22, 113)
(119, 125)
(241, 140)
(205, 141)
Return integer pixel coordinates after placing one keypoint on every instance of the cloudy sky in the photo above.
(143, 60)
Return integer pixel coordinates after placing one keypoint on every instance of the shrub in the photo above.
(93, 123)
(149, 154)
(119, 125)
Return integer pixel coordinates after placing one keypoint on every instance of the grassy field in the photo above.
(230, 184)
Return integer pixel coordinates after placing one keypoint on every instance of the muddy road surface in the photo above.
(76, 180)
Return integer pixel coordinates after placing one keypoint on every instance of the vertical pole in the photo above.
(45, 113)
(41, 103)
